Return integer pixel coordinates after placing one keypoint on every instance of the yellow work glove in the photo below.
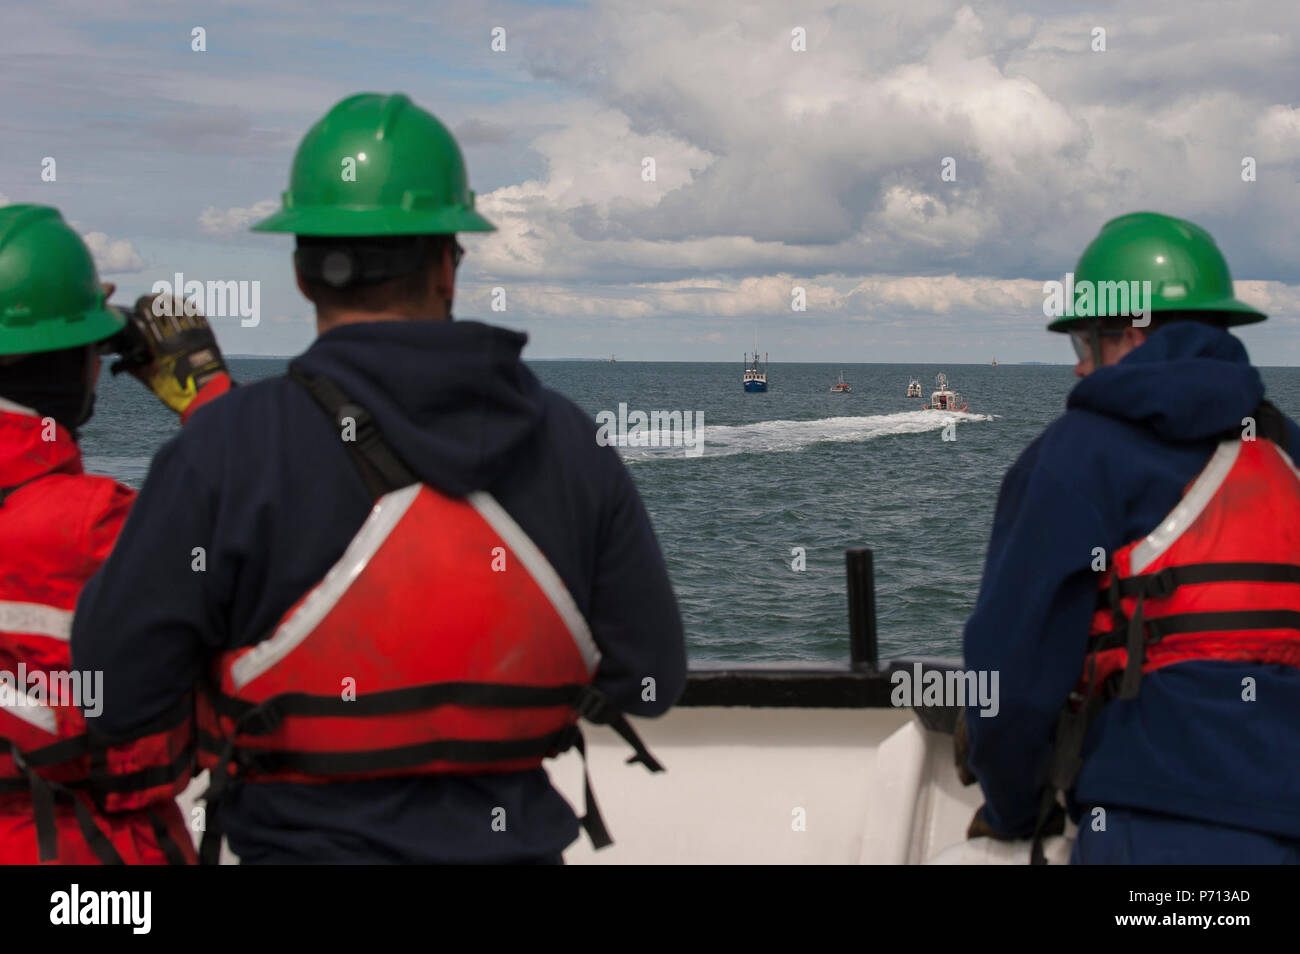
(173, 355)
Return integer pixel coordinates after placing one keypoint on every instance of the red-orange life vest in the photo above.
(1217, 579)
(57, 526)
(441, 642)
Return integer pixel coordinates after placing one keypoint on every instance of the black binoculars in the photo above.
(130, 344)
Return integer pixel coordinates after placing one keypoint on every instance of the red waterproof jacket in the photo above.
(66, 794)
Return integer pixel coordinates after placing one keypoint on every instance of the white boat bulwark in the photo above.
(785, 765)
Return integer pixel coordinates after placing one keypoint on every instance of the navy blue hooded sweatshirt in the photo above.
(1103, 475)
(260, 480)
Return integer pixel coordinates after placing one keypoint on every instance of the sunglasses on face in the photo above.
(457, 253)
(1082, 341)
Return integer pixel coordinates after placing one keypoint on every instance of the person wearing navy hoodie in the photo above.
(263, 485)
(1197, 759)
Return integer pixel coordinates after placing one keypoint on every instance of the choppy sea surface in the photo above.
(795, 467)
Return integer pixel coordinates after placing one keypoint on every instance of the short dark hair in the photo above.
(376, 296)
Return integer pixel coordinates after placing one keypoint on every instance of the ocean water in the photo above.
(795, 467)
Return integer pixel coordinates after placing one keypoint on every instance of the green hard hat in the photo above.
(50, 296)
(1186, 270)
(377, 165)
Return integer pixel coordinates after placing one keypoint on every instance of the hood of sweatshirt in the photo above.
(453, 398)
(1186, 382)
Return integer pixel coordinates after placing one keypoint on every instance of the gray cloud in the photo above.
(771, 166)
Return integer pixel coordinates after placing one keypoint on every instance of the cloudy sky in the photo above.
(775, 167)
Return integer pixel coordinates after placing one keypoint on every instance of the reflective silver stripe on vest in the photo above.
(33, 713)
(388, 510)
(542, 573)
(383, 518)
(35, 618)
(13, 408)
(1189, 508)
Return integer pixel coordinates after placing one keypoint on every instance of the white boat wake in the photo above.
(764, 437)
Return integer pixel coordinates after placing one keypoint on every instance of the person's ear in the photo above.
(1133, 337)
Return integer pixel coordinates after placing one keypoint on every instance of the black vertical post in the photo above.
(862, 608)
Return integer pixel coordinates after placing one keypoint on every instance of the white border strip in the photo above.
(388, 510)
(33, 713)
(13, 408)
(1189, 508)
(542, 572)
(36, 618)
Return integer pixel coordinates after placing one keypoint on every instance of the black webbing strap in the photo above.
(1162, 583)
(265, 717)
(44, 795)
(399, 757)
(96, 839)
(47, 841)
(592, 822)
(1208, 622)
(170, 849)
(141, 779)
(91, 742)
(594, 706)
(1135, 644)
(1270, 424)
(1135, 633)
(1066, 758)
(381, 469)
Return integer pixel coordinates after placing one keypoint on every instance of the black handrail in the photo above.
(862, 609)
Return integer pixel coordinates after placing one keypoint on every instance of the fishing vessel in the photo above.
(755, 373)
(994, 362)
(944, 398)
(786, 764)
(841, 387)
(914, 388)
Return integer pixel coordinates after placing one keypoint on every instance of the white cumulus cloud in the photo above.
(113, 255)
(216, 221)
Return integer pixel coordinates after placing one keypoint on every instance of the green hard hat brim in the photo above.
(334, 221)
(55, 335)
(1233, 311)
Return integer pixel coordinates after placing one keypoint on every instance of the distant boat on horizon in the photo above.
(841, 387)
(944, 398)
(755, 378)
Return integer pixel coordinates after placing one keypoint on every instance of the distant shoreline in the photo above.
(845, 364)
